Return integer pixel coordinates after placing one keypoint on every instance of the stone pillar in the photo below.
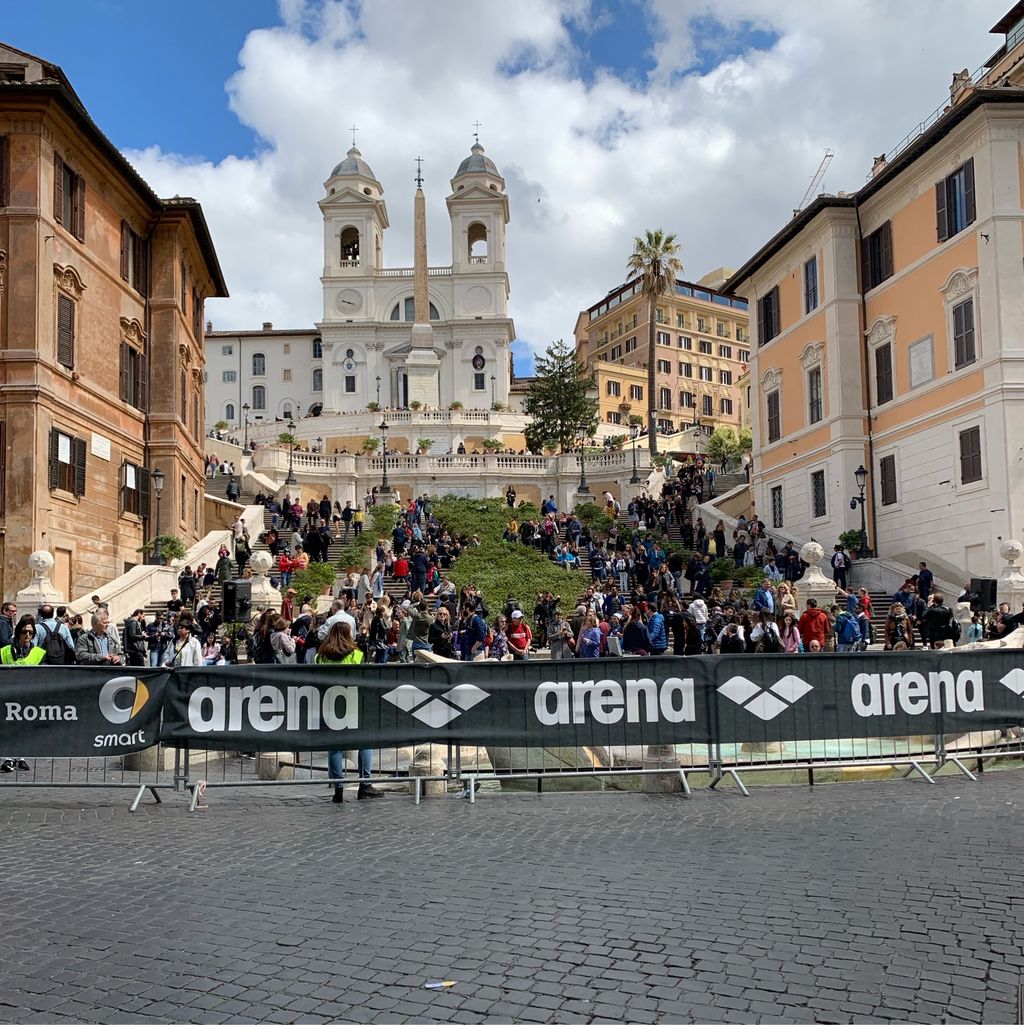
(814, 584)
(962, 614)
(40, 590)
(1010, 585)
(263, 591)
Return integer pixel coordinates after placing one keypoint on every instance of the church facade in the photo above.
(393, 335)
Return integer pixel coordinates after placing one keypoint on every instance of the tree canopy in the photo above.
(558, 403)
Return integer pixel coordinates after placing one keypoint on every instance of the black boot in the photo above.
(339, 795)
(367, 790)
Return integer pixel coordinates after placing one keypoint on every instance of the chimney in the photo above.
(209, 326)
(878, 166)
(961, 81)
(268, 326)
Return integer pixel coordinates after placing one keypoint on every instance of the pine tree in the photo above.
(558, 404)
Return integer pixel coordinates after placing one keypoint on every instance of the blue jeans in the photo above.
(154, 657)
(336, 764)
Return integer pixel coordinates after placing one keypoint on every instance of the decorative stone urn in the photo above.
(40, 590)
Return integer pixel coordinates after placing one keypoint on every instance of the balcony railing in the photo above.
(407, 272)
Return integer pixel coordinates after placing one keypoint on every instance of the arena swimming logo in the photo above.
(121, 700)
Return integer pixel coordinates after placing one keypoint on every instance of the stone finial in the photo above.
(41, 564)
(263, 591)
(812, 553)
(40, 590)
(1011, 551)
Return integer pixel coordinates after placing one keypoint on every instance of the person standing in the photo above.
(925, 578)
(135, 638)
(340, 649)
(22, 649)
(187, 650)
(346, 520)
(9, 611)
(98, 645)
(840, 564)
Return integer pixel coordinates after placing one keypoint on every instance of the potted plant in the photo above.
(850, 540)
(170, 545)
(370, 445)
(220, 425)
(316, 579)
(373, 407)
(493, 444)
(456, 405)
(497, 407)
(285, 438)
(415, 404)
(423, 445)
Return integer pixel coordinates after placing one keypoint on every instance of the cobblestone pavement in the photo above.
(890, 901)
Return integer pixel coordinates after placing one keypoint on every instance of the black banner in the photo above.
(608, 702)
(79, 711)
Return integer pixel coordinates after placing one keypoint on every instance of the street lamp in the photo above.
(245, 440)
(492, 389)
(290, 479)
(384, 489)
(157, 477)
(861, 476)
(583, 489)
(378, 391)
(634, 433)
(320, 444)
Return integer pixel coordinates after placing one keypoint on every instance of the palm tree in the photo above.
(656, 262)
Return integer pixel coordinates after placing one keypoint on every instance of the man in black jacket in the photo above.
(10, 610)
(135, 638)
(937, 622)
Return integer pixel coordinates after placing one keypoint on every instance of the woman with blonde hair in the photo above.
(785, 601)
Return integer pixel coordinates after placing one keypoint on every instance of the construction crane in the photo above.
(816, 180)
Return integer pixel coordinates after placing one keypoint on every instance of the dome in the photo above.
(353, 165)
(477, 163)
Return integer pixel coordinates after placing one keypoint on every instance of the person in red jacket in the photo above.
(519, 636)
(813, 625)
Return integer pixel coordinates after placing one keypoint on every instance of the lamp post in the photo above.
(583, 489)
(157, 477)
(861, 476)
(245, 439)
(378, 391)
(290, 479)
(384, 489)
(634, 433)
(320, 445)
(492, 388)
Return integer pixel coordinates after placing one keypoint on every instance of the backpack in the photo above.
(770, 642)
(57, 651)
(849, 631)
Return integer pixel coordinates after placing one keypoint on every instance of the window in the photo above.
(702, 325)
(776, 497)
(183, 492)
(614, 389)
(876, 257)
(184, 287)
(350, 384)
(350, 353)
(743, 355)
(68, 198)
(197, 426)
(883, 373)
(685, 343)
(665, 427)
(725, 377)
(615, 352)
(818, 494)
(706, 373)
(954, 202)
(686, 369)
(286, 413)
(197, 314)
(663, 366)
(134, 489)
(229, 376)
(768, 316)
(183, 393)
(133, 376)
(811, 284)
(664, 338)
(65, 330)
(630, 345)
(725, 351)
(195, 509)
(725, 407)
(774, 420)
(259, 397)
(664, 398)
(229, 412)
(659, 316)
(687, 399)
(613, 417)
(227, 350)
(814, 395)
(964, 352)
(318, 348)
(406, 310)
(706, 348)
(636, 392)
(707, 405)
(259, 365)
(887, 472)
(318, 379)
(286, 374)
(680, 320)
(741, 335)
(66, 468)
(722, 329)
(133, 259)
(970, 455)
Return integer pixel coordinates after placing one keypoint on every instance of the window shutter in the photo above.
(53, 465)
(886, 239)
(125, 371)
(124, 249)
(776, 320)
(79, 229)
(142, 388)
(78, 452)
(969, 202)
(941, 220)
(4, 171)
(65, 331)
(122, 479)
(58, 189)
(760, 321)
(142, 483)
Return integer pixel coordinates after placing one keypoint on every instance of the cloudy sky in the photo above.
(606, 117)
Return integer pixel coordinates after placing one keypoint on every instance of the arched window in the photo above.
(259, 397)
(318, 380)
(477, 243)
(286, 413)
(350, 247)
(229, 412)
(406, 310)
(259, 364)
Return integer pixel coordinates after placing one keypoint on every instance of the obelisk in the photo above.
(422, 364)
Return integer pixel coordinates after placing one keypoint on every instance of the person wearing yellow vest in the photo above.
(23, 650)
(338, 648)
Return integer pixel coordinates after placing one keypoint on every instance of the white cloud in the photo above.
(720, 159)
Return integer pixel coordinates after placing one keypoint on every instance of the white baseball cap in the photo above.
(517, 614)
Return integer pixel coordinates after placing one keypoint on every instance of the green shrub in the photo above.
(850, 540)
(313, 579)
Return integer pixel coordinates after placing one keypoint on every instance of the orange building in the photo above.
(102, 287)
(890, 332)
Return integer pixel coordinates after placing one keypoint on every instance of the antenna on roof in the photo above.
(816, 180)
(476, 131)
(419, 172)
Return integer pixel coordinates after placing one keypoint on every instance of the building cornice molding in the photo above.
(68, 279)
(960, 282)
(882, 330)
